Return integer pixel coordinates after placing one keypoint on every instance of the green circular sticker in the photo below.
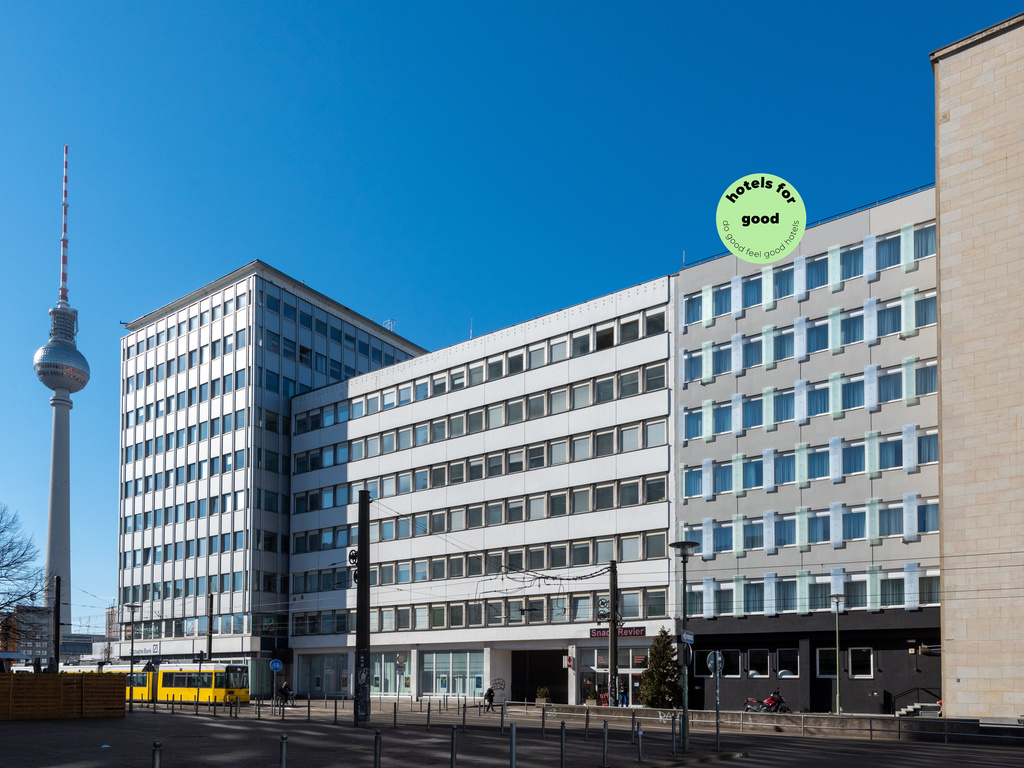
(761, 218)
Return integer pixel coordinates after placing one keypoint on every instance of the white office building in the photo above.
(506, 472)
(206, 388)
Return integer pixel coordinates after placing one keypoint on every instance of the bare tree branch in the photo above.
(20, 578)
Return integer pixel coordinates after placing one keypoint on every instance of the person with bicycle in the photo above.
(284, 693)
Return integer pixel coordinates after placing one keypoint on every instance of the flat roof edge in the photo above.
(977, 38)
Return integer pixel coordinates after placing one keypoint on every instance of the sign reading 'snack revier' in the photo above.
(623, 632)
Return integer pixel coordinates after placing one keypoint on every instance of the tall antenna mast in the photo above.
(63, 296)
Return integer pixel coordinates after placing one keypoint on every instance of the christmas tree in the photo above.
(659, 684)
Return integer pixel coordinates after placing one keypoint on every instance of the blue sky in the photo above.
(441, 164)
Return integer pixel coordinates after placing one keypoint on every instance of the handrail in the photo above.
(937, 696)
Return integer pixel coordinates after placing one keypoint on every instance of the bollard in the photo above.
(512, 746)
(455, 730)
(543, 720)
(632, 728)
(335, 711)
(501, 727)
(214, 707)
(561, 762)
(478, 709)
(673, 737)
(683, 734)
(376, 748)
(284, 750)
(428, 714)
(156, 753)
(586, 726)
(394, 723)
(172, 705)
(309, 704)
(421, 705)
(463, 719)
(604, 745)
(640, 745)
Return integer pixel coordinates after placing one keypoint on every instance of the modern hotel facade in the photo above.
(807, 463)
(838, 433)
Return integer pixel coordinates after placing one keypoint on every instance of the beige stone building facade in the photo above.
(979, 102)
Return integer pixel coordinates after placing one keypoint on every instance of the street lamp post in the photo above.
(684, 549)
(131, 659)
(836, 598)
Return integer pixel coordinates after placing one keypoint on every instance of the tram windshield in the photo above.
(238, 677)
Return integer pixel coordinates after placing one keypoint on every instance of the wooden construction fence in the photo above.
(51, 697)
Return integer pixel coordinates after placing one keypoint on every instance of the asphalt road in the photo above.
(190, 740)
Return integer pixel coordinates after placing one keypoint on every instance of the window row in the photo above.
(182, 550)
(184, 361)
(579, 395)
(625, 548)
(511, 612)
(839, 524)
(575, 344)
(200, 585)
(575, 448)
(198, 470)
(226, 624)
(772, 345)
(186, 436)
(179, 513)
(192, 323)
(806, 400)
(859, 663)
(874, 590)
(810, 273)
(177, 402)
(340, 333)
(835, 461)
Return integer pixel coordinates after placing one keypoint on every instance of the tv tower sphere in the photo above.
(58, 363)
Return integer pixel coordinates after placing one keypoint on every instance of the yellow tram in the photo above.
(184, 682)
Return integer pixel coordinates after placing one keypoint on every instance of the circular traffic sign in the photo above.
(276, 665)
(715, 661)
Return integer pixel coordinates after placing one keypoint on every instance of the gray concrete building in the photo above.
(807, 463)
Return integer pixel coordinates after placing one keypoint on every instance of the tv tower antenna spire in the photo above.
(62, 300)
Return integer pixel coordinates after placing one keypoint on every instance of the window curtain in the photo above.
(784, 345)
(853, 525)
(693, 482)
(784, 410)
(722, 418)
(890, 387)
(853, 394)
(852, 329)
(924, 312)
(889, 321)
(753, 413)
(694, 424)
(817, 401)
(853, 459)
(753, 475)
(751, 292)
(785, 469)
(783, 282)
(887, 252)
(721, 300)
(693, 309)
(924, 242)
(890, 454)
(723, 478)
(851, 263)
(817, 465)
(927, 517)
(817, 273)
(927, 449)
(752, 352)
(927, 379)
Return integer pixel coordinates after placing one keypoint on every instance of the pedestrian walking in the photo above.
(489, 698)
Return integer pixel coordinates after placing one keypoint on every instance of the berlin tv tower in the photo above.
(62, 368)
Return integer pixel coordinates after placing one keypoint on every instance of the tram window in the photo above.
(218, 680)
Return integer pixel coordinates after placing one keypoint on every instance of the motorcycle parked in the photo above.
(774, 703)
